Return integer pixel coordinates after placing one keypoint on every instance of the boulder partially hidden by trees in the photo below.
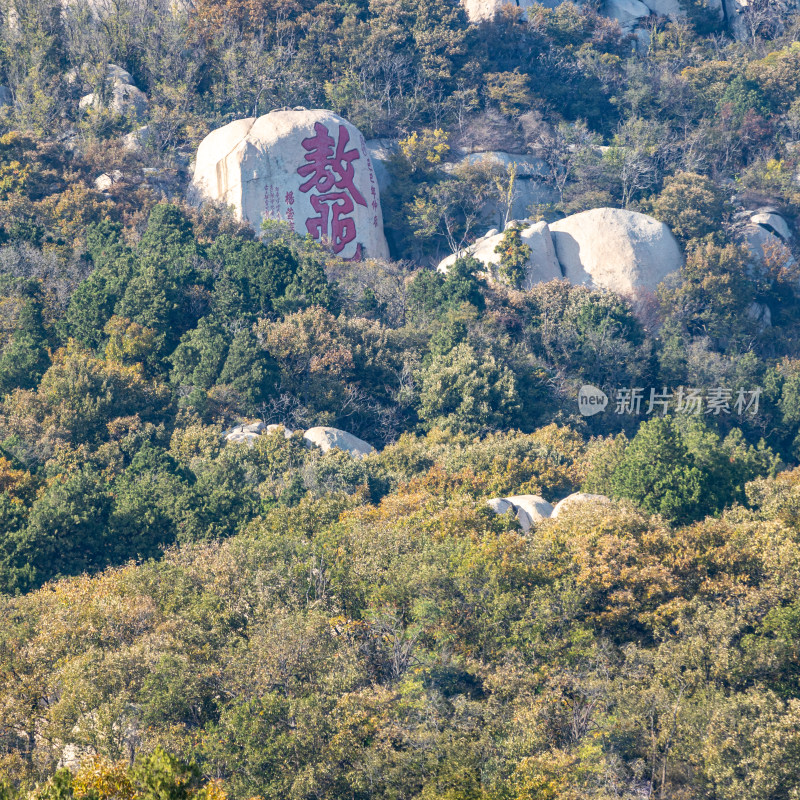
(530, 509)
(541, 265)
(119, 94)
(327, 438)
(578, 498)
(310, 169)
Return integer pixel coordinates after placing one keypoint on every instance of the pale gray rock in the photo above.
(123, 97)
(760, 314)
(542, 264)
(528, 509)
(380, 151)
(531, 509)
(6, 99)
(242, 437)
(611, 248)
(774, 223)
(71, 756)
(530, 185)
(578, 498)
(764, 245)
(500, 505)
(105, 181)
(665, 8)
(118, 76)
(527, 166)
(675, 9)
(129, 101)
(136, 140)
(255, 427)
(479, 10)
(327, 438)
(309, 168)
(88, 101)
(626, 12)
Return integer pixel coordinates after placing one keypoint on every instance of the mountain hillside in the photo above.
(399, 400)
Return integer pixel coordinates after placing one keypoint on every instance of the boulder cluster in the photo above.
(323, 437)
(530, 509)
(630, 14)
(118, 94)
(605, 248)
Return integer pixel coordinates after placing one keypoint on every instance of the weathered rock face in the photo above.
(105, 181)
(772, 222)
(123, 96)
(578, 498)
(764, 245)
(626, 12)
(500, 505)
(605, 248)
(287, 434)
(542, 265)
(136, 140)
(310, 169)
(327, 438)
(611, 248)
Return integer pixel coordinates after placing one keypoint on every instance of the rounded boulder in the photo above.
(308, 168)
(327, 438)
(576, 499)
(612, 248)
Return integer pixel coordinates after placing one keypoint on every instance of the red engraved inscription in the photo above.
(330, 174)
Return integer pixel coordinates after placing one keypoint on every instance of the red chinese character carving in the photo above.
(334, 206)
(329, 167)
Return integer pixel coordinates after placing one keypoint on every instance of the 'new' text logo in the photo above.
(591, 400)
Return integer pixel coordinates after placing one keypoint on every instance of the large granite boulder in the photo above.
(327, 438)
(246, 433)
(542, 264)
(626, 12)
(309, 168)
(500, 506)
(576, 499)
(611, 248)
